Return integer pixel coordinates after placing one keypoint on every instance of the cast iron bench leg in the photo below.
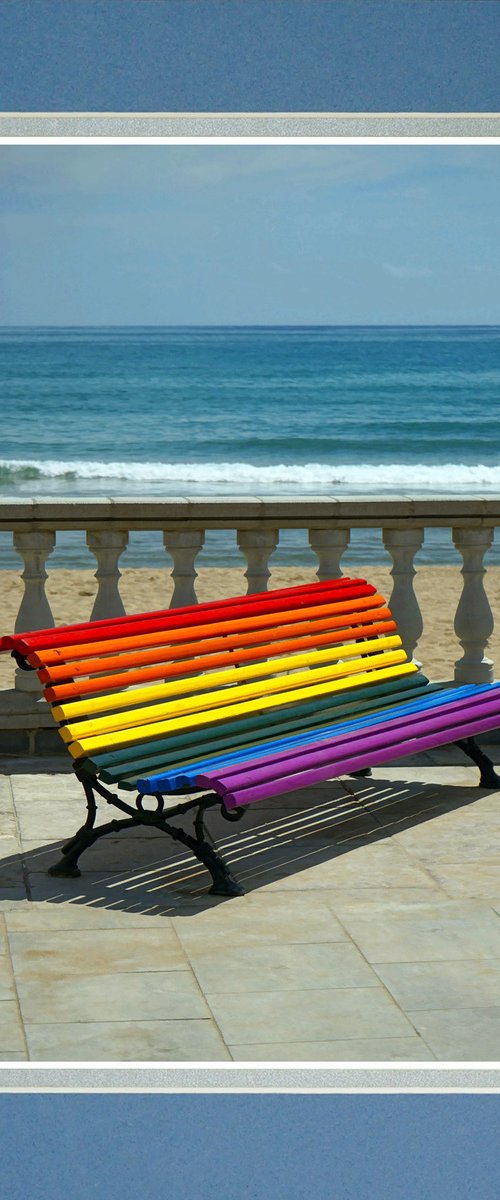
(223, 882)
(488, 777)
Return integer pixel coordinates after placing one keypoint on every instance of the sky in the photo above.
(249, 55)
(250, 1147)
(247, 234)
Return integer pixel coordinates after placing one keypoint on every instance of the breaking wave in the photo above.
(442, 477)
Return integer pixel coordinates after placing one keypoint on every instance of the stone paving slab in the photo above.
(437, 932)
(468, 983)
(350, 1012)
(260, 920)
(464, 1034)
(192, 1040)
(12, 1037)
(382, 864)
(147, 995)
(463, 880)
(238, 970)
(355, 1050)
(44, 957)
(369, 931)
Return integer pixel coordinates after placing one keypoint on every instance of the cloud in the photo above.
(401, 272)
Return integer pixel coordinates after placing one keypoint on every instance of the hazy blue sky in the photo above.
(249, 234)
(237, 1147)
(249, 55)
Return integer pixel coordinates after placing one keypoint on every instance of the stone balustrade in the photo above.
(257, 521)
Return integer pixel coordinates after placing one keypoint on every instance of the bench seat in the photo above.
(390, 733)
(240, 700)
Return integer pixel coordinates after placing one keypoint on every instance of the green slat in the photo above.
(204, 742)
(207, 736)
(152, 757)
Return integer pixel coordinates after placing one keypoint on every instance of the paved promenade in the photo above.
(370, 930)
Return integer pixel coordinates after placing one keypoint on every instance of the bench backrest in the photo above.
(142, 692)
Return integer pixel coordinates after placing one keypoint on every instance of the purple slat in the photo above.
(307, 777)
(360, 740)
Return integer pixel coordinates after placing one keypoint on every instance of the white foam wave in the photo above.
(442, 477)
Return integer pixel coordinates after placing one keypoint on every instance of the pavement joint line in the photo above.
(212, 1018)
(418, 962)
(448, 893)
(7, 934)
(384, 986)
(120, 1021)
(19, 840)
(383, 1037)
(16, 996)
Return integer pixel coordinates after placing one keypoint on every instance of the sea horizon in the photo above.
(263, 325)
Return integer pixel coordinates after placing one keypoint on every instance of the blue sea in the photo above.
(261, 410)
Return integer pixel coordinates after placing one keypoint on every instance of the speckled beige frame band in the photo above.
(142, 1078)
(251, 125)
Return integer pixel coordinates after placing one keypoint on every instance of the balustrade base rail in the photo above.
(257, 521)
(26, 725)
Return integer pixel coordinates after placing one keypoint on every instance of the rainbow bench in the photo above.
(240, 700)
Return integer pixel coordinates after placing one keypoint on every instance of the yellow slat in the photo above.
(100, 733)
(88, 745)
(222, 678)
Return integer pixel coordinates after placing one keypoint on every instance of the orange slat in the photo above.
(165, 653)
(206, 662)
(42, 658)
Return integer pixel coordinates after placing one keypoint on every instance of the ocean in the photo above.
(323, 410)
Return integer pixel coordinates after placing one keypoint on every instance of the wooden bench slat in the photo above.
(239, 732)
(230, 677)
(272, 621)
(46, 636)
(167, 650)
(187, 775)
(127, 734)
(217, 652)
(263, 687)
(314, 766)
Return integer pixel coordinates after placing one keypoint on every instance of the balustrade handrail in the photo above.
(225, 512)
(257, 520)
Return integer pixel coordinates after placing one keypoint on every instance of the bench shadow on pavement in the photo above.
(145, 872)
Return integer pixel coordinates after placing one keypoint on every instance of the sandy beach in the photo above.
(71, 596)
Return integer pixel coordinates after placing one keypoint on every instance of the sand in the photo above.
(71, 596)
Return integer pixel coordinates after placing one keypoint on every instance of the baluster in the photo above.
(35, 612)
(329, 545)
(184, 545)
(107, 545)
(474, 618)
(402, 545)
(257, 545)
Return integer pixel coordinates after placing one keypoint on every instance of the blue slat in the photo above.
(171, 781)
